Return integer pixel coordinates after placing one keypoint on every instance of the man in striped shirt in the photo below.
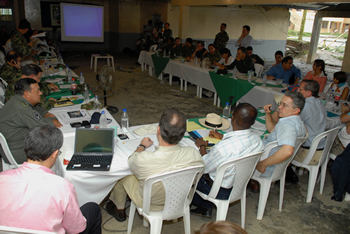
(233, 145)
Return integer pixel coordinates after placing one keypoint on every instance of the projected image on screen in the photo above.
(94, 141)
(82, 23)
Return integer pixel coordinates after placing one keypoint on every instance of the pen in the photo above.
(215, 128)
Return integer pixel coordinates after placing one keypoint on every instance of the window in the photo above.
(346, 27)
(5, 14)
(335, 25)
(324, 24)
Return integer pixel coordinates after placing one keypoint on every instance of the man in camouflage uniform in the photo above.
(170, 45)
(189, 49)
(221, 38)
(18, 41)
(11, 70)
(34, 72)
(18, 116)
(213, 55)
(178, 48)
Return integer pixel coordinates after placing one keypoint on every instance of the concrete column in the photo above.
(316, 29)
(328, 25)
(346, 61)
(184, 18)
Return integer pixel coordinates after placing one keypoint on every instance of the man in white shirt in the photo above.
(245, 39)
(233, 145)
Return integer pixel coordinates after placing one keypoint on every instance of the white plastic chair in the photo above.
(244, 169)
(313, 169)
(179, 188)
(278, 174)
(8, 155)
(258, 69)
(12, 230)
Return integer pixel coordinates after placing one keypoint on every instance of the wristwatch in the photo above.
(140, 145)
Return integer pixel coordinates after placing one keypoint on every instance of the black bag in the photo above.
(340, 171)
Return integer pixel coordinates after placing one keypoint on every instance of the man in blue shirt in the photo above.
(285, 70)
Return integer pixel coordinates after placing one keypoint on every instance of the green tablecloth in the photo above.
(159, 63)
(226, 87)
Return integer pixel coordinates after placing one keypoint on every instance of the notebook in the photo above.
(93, 150)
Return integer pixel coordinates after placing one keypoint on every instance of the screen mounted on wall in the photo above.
(82, 23)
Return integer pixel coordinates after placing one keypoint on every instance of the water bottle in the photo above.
(46, 70)
(227, 111)
(264, 80)
(125, 121)
(73, 87)
(103, 120)
(82, 79)
(250, 76)
(67, 70)
(337, 97)
(329, 94)
(234, 72)
(86, 94)
(97, 104)
(69, 75)
(195, 61)
(60, 59)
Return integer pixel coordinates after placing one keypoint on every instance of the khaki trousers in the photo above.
(301, 155)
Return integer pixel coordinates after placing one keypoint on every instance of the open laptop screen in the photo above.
(94, 140)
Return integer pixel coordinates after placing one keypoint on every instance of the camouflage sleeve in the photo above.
(45, 89)
(8, 74)
(226, 37)
(10, 91)
(19, 44)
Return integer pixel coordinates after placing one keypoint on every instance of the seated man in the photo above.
(314, 116)
(19, 42)
(245, 39)
(255, 57)
(233, 145)
(221, 38)
(285, 71)
(177, 49)
(285, 132)
(34, 71)
(278, 57)
(189, 49)
(213, 55)
(19, 115)
(169, 156)
(200, 51)
(11, 70)
(33, 197)
(243, 62)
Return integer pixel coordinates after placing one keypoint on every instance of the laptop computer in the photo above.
(93, 150)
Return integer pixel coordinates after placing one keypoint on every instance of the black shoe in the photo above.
(119, 215)
(202, 212)
(254, 186)
(291, 177)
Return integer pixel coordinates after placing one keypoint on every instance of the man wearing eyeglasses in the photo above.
(314, 117)
(285, 131)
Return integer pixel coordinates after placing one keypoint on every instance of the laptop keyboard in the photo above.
(100, 159)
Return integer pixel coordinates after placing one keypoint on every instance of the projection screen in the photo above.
(82, 23)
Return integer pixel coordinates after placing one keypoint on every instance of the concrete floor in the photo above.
(145, 98)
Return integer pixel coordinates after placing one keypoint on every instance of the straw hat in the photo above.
(213, 120)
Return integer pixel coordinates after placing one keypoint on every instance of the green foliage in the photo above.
(338, 57)
(293, 33)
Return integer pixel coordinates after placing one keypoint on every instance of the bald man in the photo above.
(233, 145)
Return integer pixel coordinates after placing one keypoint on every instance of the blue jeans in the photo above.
(203, 187)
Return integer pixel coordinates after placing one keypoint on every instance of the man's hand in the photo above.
(17, 64)
(57, 123)
(174, 46)
(30, 43)
(200, 142)
(49, 115)
(146, 142)
(254, 60)
(53, 87)
(52, 99)
(260, 167)
(267, 109)
(215, 134)
(344, 108)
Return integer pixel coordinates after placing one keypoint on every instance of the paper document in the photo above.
(73, 116)
(211, 140)
(43, 34)
(191, 126)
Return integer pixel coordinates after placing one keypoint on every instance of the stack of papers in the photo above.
(192, 126)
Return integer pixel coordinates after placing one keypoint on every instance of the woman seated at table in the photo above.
(339, 83)
(318, 73)
(227, 58)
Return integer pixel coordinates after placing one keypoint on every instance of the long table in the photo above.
(189, 72)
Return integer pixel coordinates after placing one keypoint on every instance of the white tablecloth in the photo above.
(258, 96)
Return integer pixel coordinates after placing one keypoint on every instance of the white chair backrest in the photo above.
(12, 230)
(3, 86)
(8, 46)
(330, 137)
(258, 69)
(179, 188)
(7, 151)
(153, 48)
(281, 167)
